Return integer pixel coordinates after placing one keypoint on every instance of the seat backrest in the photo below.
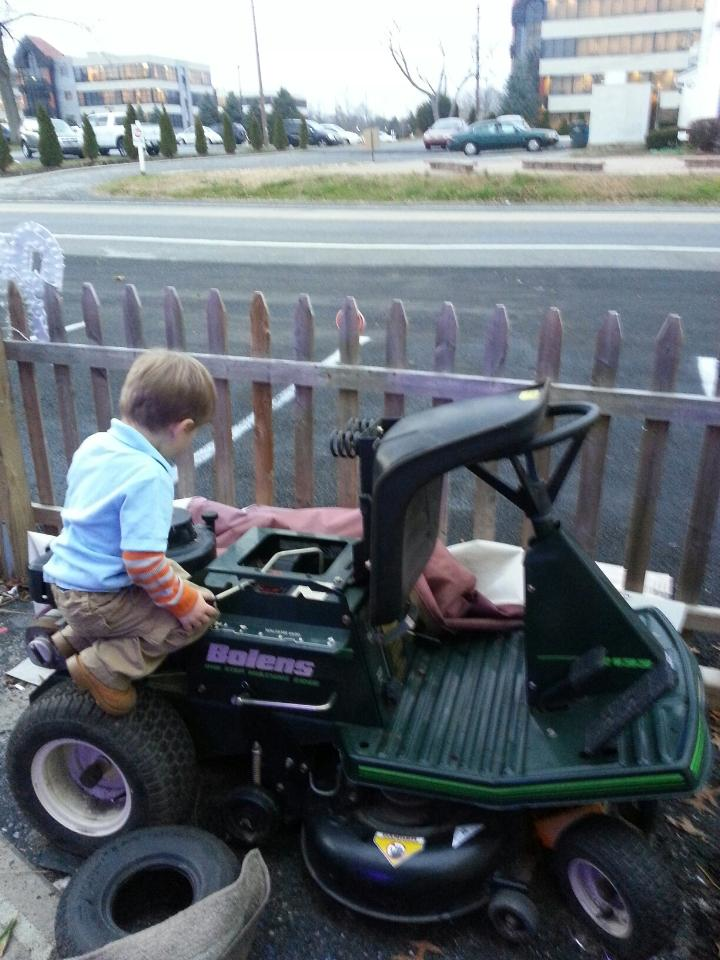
(410, 462)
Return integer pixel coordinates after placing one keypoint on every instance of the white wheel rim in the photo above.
(94, 809)
(600, 899)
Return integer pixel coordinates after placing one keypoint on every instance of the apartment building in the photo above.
(70, 86)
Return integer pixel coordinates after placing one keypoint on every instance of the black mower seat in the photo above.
(410, 462)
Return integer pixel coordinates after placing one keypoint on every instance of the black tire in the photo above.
(514, 916)
(614, 881)
(120, 144)
(83, 777)
(27, 152)
(104, 152)
(137, 880)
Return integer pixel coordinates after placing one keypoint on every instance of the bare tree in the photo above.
(432, 90)
(6, 91)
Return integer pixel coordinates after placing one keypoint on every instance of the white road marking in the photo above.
(344, 245)
(207, 451)
(708, 369)
(74, 326)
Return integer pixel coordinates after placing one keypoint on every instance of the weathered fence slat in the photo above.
(31, 399)
(497, 334)
(396, 355)
(262, 403)
(224, 466)
(446, 337)
(98, 375)
(702, 516)
(594, 453)
(549, 358)
(175, 340)
(63, 374)
(668, 345)
(348, 402)
(304, 349)
(15, 508)
(132, 317)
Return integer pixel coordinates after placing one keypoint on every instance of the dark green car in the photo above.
(496, 135)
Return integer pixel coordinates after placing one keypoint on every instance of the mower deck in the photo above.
(464, 729)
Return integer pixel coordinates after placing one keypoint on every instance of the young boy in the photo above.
(125, 605)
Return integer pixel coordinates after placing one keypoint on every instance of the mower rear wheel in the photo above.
(82, 777)
(513, 915)
(613, 880)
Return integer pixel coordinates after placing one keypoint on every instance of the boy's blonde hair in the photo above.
(164, 387)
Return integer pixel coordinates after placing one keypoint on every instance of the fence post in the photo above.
(547, 368)
(497, 333)
(668, 345)
(98, 375)
(446, 336)
(63, 375)
(262, 403)
(592, 467)
(175, 340)
(347, 473)
(31, 400)
(702, 517)
(304, 349)
(15, 506)
(224, 476)
(396, 355)
(132, 318)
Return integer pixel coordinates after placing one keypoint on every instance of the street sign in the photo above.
(138, 138)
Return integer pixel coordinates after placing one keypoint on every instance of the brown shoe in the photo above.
(112, 701)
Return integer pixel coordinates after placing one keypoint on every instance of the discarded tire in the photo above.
(138, 880)
(83, 777)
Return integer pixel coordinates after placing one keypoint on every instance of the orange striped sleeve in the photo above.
(151, 571)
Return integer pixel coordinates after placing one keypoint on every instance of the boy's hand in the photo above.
(201, 614)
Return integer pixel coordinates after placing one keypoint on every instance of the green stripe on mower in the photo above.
(649, 783)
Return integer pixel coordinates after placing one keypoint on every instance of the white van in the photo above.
(109, 130)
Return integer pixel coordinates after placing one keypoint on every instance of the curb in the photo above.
(25, 893)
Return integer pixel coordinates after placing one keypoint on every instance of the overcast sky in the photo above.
(332, 52)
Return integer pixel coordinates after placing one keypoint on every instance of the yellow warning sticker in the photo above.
(528, 394)
(398, 850)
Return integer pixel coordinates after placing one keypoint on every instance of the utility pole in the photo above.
(263, 117)
(477, 66)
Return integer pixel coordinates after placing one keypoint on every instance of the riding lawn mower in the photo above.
(430, 772)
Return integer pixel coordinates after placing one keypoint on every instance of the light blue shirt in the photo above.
(119, 497)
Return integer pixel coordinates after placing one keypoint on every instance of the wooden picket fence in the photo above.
(655, 410)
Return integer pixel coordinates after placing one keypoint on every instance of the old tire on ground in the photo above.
(83, 777)
(614, 881)
(137, 880)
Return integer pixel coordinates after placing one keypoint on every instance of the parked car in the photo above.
(492, 134)
(442, 131)
(344, 136)
(109, 130)
(385, 137)
(70, 143)
(238, 129)
(513, 118)
(318, 135)
(188, 136)
(5, 131)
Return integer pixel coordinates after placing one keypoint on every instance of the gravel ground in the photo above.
(299, 918)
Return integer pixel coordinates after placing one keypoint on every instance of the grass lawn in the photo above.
(25, 167)
(416, 187)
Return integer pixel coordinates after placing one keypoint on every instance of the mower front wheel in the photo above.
(613, 880)
(513, 915)
(83, 777)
